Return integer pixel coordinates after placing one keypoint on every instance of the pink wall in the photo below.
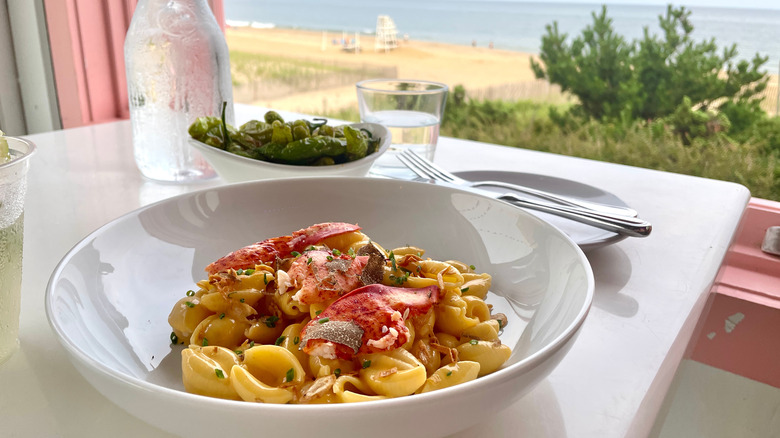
(86, 39)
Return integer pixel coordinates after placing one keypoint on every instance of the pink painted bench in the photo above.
(739, 331)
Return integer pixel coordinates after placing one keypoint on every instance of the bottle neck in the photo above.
(169, 3)
(176, 17)
(198, 8)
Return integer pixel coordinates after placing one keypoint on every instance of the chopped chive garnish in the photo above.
(251, 344)
(221, 315)
(270, 322)
(308, 262)
(240, 272)
(220, 374)
(473, 342)
(465, 289)
(238, 352)
(351, 252)
(296, 340)
(295, 253)
(265, 277)
(249, 271)
(174, 338)
(205, 342)
(323, 320)
(336, 252)
(392, 260)
(330, 258)
(190, 304)
(241, 300)
(449, 373)
(366, 364)
(473, 268)
(280, 339)
(290, 375)
(318, 312)
(190, 293)
(337, 372)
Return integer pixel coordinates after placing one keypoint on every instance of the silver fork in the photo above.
(604, 219)
(432, 171)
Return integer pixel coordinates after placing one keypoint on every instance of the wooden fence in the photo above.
(538, 90)
(771, 102)
(543, 91)
(317, 75)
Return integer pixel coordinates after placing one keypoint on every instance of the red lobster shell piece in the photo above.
(282, 247)
(367, 320)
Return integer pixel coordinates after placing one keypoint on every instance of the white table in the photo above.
(649, 292)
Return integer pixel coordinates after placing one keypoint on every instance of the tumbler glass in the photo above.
(411, 109)
(13, 185)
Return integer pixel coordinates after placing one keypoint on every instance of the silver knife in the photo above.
(620, 224)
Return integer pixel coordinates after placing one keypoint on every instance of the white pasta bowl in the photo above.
(108, 300)
(235, 168)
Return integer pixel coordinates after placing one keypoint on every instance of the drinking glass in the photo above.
(13, 185)
(410, 109)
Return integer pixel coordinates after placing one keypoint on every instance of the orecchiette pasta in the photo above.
(392, 374)
(206, 371)
(451, 375)
(375, 323)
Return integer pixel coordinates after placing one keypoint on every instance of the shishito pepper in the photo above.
(282, 133)
(357, 143)
(300, 130)
(254, 127)
(208, 130)
(272, 116)
(326, 130)
(304, 151)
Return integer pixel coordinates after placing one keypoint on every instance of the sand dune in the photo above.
(472, 67)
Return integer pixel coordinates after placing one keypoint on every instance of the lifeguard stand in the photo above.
(386, 33)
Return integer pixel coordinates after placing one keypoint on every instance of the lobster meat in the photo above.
(369, 319)
(281, 247)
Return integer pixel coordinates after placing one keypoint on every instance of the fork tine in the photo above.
(434, 171)
(409, 161)
(413, 167)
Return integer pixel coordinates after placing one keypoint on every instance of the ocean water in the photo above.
(509, 24)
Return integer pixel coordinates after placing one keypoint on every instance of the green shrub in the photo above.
(650, 78)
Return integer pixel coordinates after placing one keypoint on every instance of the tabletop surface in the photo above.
(649, 292)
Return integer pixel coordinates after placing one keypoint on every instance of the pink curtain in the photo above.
(86, 39)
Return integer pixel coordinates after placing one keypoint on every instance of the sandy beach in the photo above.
(484, 72)
(478, 69)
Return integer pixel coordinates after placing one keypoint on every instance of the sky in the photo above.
(758, 4)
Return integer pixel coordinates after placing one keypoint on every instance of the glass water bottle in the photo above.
(178, 69)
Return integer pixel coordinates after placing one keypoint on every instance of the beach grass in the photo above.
(254, 66)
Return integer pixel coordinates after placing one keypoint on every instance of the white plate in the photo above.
(108, 300)
(587, 237)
